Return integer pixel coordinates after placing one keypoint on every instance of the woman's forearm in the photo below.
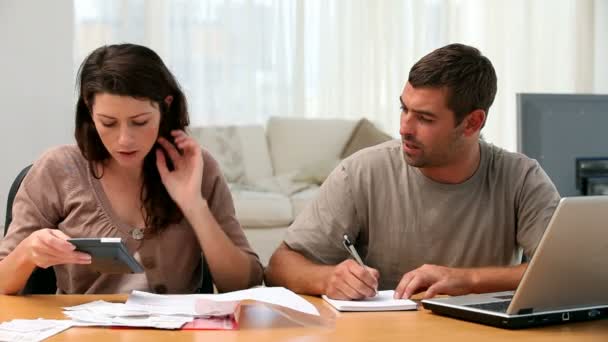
(15, 270)
(231, 267)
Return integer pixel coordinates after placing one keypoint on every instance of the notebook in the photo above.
(383, 301)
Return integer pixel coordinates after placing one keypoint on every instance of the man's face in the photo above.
(429, 136)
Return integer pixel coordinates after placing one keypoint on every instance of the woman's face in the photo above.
(128, 127)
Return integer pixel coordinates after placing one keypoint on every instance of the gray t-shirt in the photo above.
(400, 219)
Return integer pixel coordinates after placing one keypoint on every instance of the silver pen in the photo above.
(353, 252)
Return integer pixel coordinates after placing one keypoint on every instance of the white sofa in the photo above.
(275, 172)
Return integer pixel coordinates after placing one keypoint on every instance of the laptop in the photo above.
(566, 280)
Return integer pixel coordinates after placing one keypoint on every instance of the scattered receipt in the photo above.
(32, 330)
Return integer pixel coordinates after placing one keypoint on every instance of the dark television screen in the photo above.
(556, 129)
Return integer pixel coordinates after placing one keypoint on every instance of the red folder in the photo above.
(230, 322)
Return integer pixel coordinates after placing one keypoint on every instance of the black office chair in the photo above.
(43, 281)
(11, 196)
(207, 281)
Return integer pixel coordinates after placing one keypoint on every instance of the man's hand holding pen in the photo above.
(351, 279)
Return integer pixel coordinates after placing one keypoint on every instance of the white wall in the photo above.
(36, 84)
(601, 47)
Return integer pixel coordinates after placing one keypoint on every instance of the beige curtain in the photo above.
(242, 61)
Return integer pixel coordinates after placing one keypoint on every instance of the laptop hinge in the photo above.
(525, 311)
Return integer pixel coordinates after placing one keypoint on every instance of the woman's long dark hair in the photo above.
(136, 71)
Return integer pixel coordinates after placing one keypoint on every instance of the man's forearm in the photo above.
(292, 270)
(495, 279)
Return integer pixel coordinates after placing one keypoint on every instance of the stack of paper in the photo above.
(32, 330)
(100, 313)
(147, 310)
(383, 301)
(196, 311)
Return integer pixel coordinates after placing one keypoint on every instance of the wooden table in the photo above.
(259, 324)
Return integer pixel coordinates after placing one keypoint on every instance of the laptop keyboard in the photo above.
(504, 297)
(494, 306)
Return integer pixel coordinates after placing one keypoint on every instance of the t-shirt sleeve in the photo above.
(318, 230)
(537, 202)
(216, 192)
(38, 203)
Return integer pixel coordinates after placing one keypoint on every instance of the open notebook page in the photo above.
(383, 301)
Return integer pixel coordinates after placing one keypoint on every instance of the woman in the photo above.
(135, 174)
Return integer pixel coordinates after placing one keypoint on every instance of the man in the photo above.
(439, 211)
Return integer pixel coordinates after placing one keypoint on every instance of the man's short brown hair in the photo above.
(468, 76)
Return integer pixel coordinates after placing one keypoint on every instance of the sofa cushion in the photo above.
(301, 199)
(366, 134)
(241, 150)
(295, 143)
(317, 172)
(225, 146)
(261, 209)
(265, 241)
(282, 184)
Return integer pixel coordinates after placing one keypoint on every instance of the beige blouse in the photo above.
(60, 192)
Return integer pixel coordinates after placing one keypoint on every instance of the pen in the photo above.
(352, 251)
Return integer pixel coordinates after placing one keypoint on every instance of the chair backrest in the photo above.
(44, 281)
(207, 281)
(11, 197)
(41, 281)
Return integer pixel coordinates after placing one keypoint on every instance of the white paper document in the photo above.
(383, 301)
(271, 295)
(100, 313)
(144, 309)
(187, 304)
(148, 310)
(32, 330)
